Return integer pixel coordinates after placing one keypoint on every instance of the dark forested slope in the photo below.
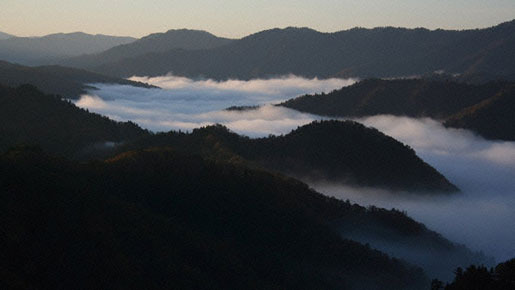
(142, 220)
(345, 152)
(63, 81)
(475, 277)
(28, 116)
(493, 118)
(402, 97)
(486, 109)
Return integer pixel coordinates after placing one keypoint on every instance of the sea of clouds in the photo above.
(184, 104)
(481, 216)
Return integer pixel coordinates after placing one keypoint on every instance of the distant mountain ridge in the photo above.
(358, 52)
(4, 35)
(486, 109)
(51, 48)
(58, 80)
(153, 43)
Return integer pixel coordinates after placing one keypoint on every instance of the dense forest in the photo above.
(492, 118)
(28, 116)
(57, 80)
(502, 277)
(359, 52)
(341, 152)
(485, 108)
(142, 220)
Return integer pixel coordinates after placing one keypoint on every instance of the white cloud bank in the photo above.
(482, 217)
(185, 104)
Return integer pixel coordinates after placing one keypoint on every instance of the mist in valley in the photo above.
(480, 216)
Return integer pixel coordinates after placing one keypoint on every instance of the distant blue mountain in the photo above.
(48, 49)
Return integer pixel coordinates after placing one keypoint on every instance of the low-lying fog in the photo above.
(482, 216)
(186, 104)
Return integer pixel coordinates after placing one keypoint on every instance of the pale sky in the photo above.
(237, 18)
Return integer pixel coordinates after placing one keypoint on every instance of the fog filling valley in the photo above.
(481, 217)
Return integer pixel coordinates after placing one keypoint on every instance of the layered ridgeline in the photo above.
(342, 152)
(485, 109)
(154, 43)
(143, 220)
(28, 116)
(358, 52)
(63, 81)
(345, 152)
(492, 118)
(51, 48)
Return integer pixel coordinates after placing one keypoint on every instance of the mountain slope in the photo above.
(142, 220)
(50, 48)
(344, 152)
(492, 118)
(154, 43)
(27, 116)
(63, 81)
(486, 109)
(403, 97)
(378, 52)
(4, 35)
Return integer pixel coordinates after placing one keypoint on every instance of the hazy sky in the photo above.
(236, 18)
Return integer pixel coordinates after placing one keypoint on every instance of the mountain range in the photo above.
(485, 109)
(51, 48)
(358, 52)
(342, 152)
(154, 43)
(63, 81)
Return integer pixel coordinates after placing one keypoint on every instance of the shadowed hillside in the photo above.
(404, 97)
(63, 81)
(486, 109)
(51, 48)
(500, 277)
(27, 116)
(344, 152)
(492, 118)
(143, 221)
(358, 52)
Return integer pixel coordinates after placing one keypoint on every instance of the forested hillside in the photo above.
(57, 80)
(142, 220)
(28, 116)
(342, 152)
